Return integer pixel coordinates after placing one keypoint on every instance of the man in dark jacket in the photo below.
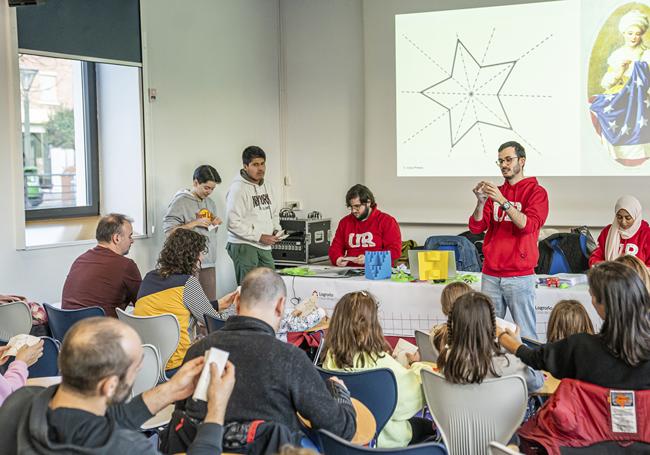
(99, 361)
(275, 380)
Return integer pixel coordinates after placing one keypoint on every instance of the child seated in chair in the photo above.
(567, 318)
(450, 293)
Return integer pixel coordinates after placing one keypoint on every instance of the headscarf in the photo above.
(615, 234)
(633, 18)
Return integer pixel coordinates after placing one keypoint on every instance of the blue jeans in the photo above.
(516, 294)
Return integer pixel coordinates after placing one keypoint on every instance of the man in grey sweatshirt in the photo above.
(252, 211)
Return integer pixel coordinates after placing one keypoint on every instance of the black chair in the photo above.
(334, 445)
(61, 320)
(376, 389)
(213, 324)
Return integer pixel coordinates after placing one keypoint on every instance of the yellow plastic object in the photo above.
(434, 265)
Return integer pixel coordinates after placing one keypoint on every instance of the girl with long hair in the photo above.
(472, 353)
(450, 294)
(567, 318)
(356, 342)
(618, 356)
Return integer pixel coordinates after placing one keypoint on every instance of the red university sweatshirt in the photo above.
(638, 245)
(510, 251)
(378, 232)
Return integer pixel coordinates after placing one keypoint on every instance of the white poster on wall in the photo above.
(566, 79)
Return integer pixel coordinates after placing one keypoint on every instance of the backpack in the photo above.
(563, 253)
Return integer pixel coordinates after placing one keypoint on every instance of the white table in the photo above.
(405, 307)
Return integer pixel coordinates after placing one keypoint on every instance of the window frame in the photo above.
(91, 144)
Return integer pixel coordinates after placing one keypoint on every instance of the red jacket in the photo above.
(510, 251)
(578, 415)
(637, 245)
(378, 232)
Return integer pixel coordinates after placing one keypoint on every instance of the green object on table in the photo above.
(465, 277)
(564, 285)
(401, 277)
(297, 271)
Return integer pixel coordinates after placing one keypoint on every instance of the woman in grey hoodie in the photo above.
(193, 209)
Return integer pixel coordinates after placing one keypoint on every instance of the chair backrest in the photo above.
(47, 365)
(497, 448)
(319, 350)
(377, 389)
(427, 352)
(162, 331)
(149, 372)
(15, 318)
(469, 416)
(334, 445)
(61, 320)
(213, 324)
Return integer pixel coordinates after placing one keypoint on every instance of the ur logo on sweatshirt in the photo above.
(363, 240)
(630, 249)
(260, 200)
(501, 215)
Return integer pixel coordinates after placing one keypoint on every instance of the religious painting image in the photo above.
(618, 84)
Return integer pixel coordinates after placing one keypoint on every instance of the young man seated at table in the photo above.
(366, 228)
(275, 380)
(99, 362)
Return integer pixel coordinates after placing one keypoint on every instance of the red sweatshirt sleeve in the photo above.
(477, 227)
(392, 239)
(536, 211)
(337, 247)
(598, 254)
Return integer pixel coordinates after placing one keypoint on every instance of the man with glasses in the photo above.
(366, 228)
(512, 214)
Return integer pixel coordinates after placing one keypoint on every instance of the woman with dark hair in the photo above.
(356, 342)
(173, 288)
(193, 209)
(472, 353)
(618, 356)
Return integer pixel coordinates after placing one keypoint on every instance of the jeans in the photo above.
(516, 294)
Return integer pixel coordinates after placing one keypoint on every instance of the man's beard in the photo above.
(515, 171)
(364, 215)
(122, 392)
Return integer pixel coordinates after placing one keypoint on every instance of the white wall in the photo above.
(323, 97)
(215, 66)
(121, 156)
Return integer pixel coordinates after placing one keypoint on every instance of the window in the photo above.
(60, 146)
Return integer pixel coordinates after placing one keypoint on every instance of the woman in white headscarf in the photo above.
(629, 234)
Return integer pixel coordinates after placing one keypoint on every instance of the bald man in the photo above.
(274, 379)
(86, 413)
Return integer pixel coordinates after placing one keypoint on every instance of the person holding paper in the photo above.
(253, 221)
(88, 414)
(16, 375)
(512, 214)
(629, 234)
(366, 228)
(355, 342)
(193, 209)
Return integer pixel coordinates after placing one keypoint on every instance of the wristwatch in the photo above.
(506, 206)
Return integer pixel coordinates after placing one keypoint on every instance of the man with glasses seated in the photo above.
(512, 214)
(366, 228)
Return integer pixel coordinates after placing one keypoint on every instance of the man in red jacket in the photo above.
(366, 228)
(512, 214)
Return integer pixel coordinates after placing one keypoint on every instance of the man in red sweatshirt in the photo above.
(512, 214)
(366, 228)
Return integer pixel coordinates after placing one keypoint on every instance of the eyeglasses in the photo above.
(507, 160)
(355, 207)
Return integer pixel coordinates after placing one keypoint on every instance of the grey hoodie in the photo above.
(183, 209)
(252, 211)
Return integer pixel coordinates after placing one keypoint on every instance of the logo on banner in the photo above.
(361, 240)
(501, 215)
